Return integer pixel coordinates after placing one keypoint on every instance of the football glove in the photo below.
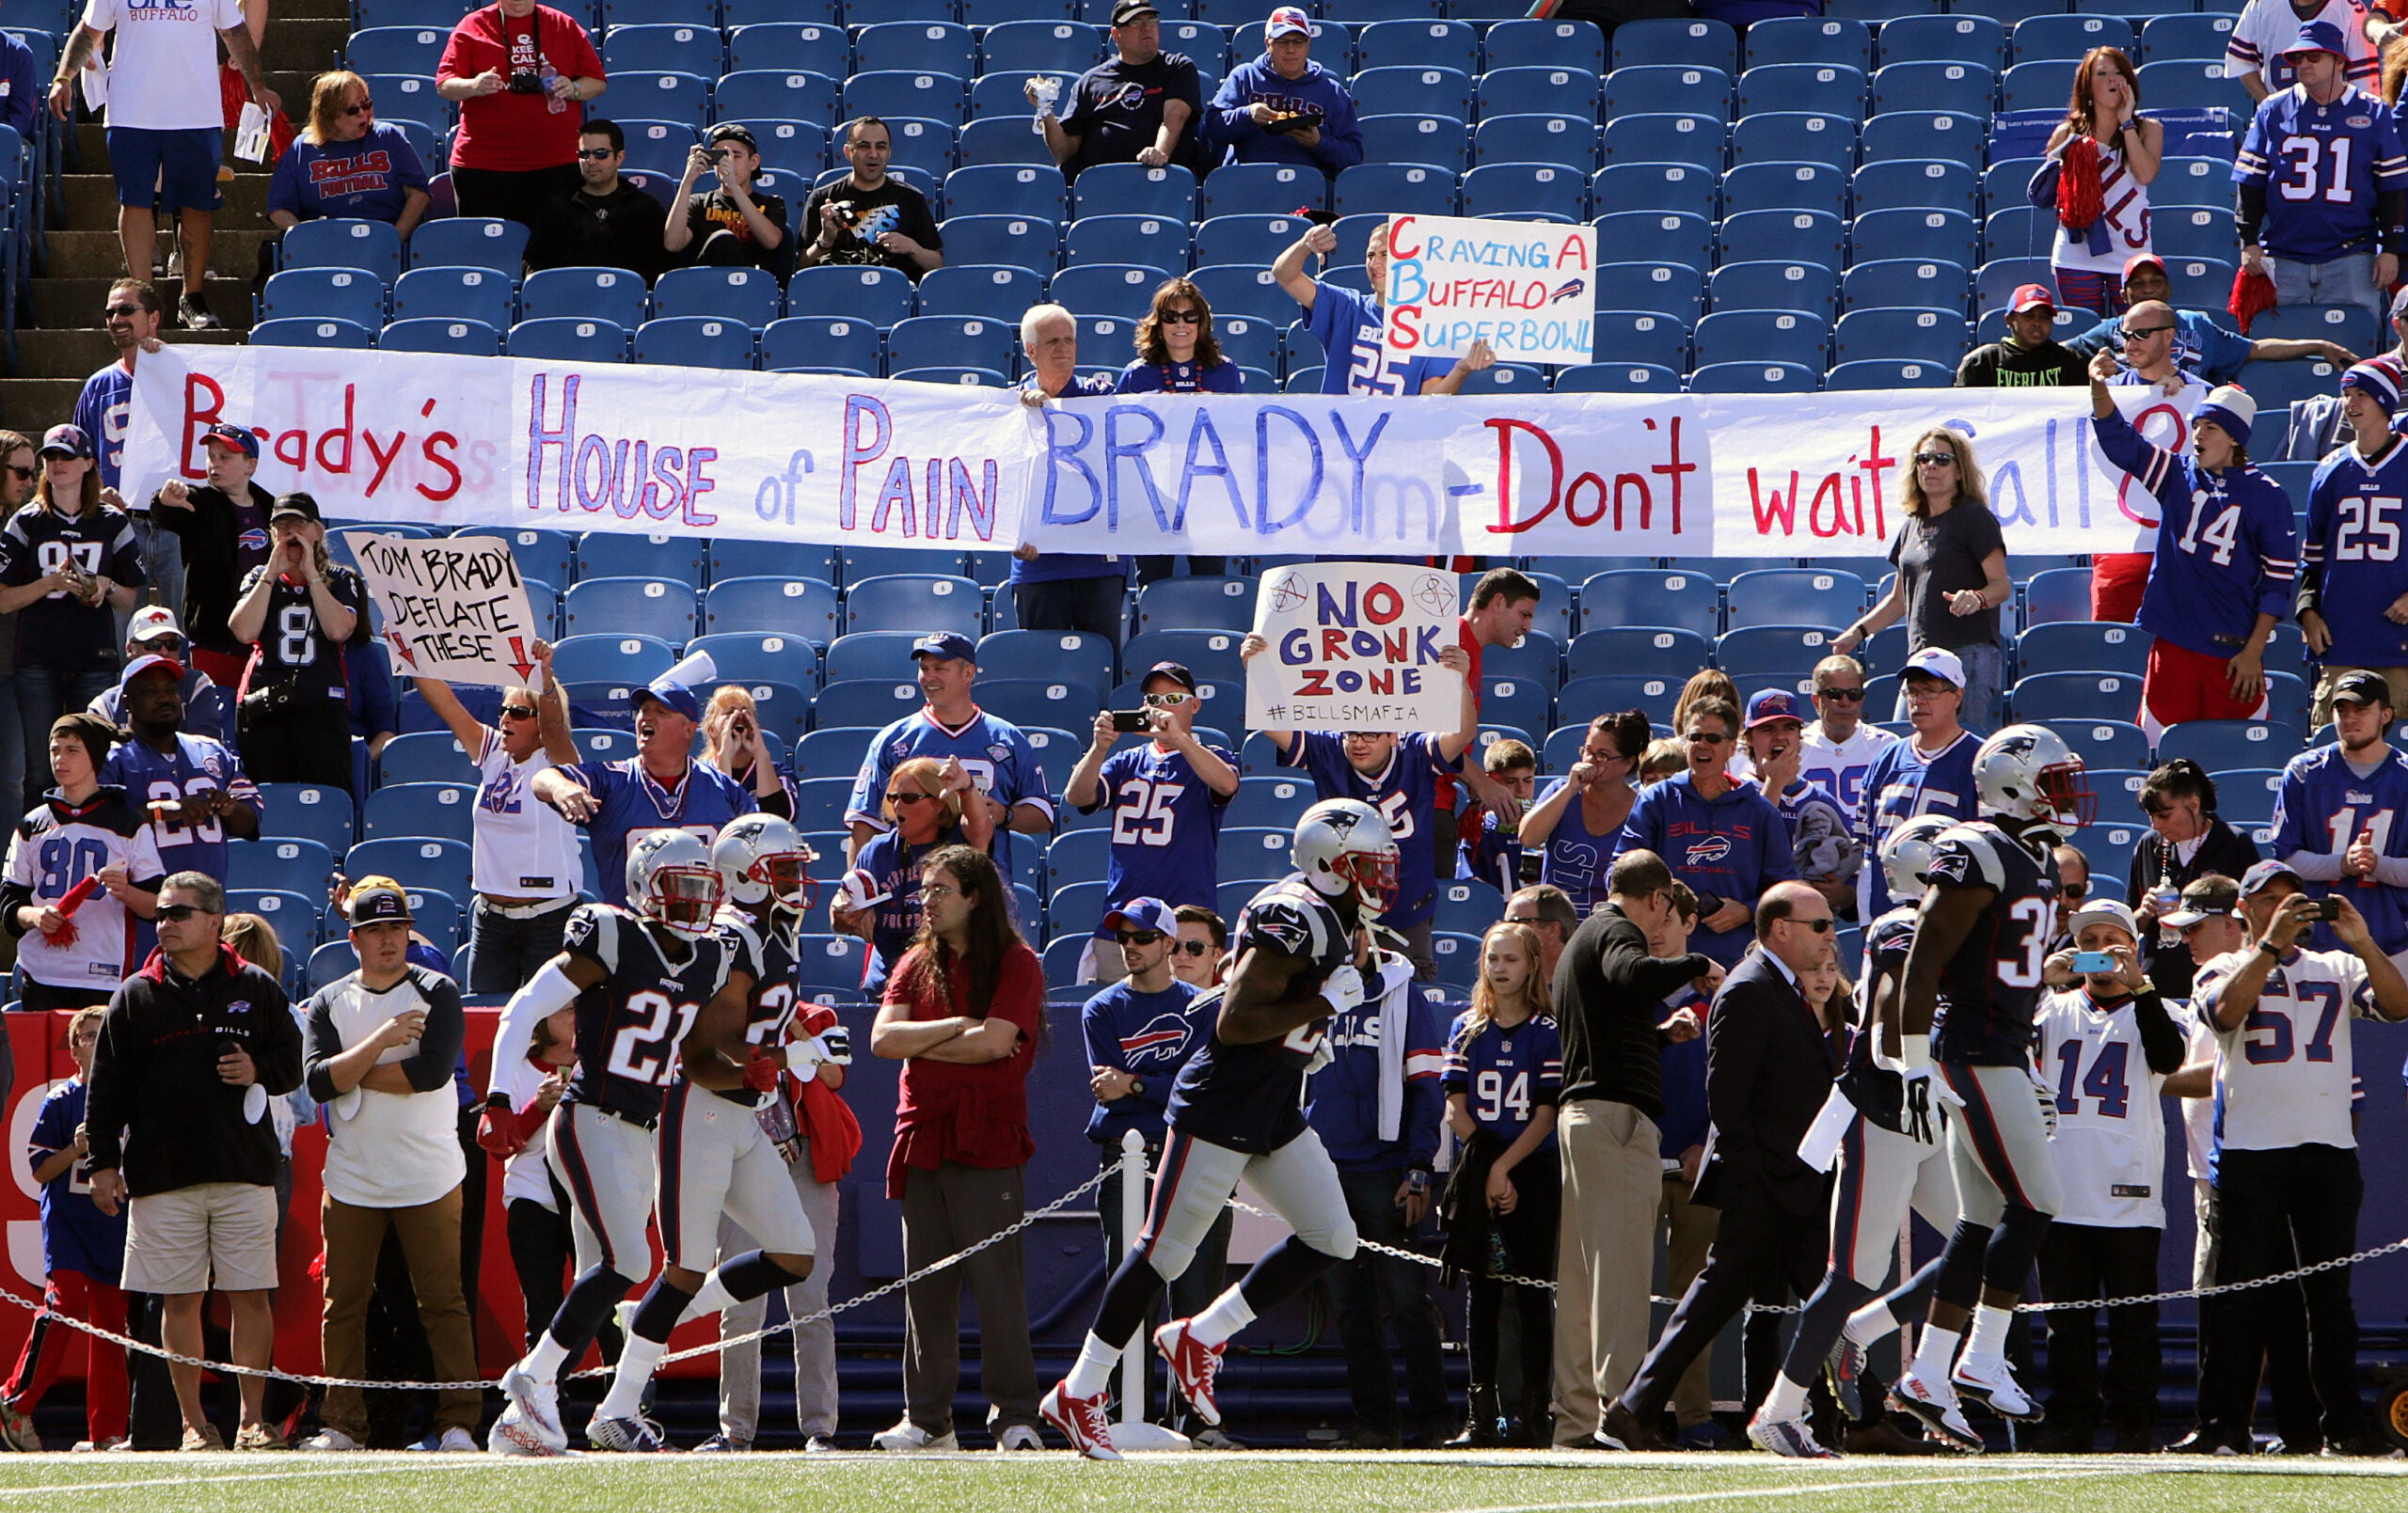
(1343, 991)
(761, 1071)
(497, 1131)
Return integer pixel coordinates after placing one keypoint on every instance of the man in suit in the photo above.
(1769, 1070)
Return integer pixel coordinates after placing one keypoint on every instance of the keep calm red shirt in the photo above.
(949, 1112)
(513, 134)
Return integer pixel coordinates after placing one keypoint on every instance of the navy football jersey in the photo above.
(1504, 1075)
(629, 1024)
(1876, 1093)
(2321, 810)
(765, 949)
(1251, 1098)
(292, 646)
(1990, 989)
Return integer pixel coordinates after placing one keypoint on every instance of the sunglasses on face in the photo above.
(1705, 737)
(1182, 317)
(1191, 948)
(179, 912)
(2074, 890)
(518, 711)
(21, 474)
(907, 798)
(1936, 459)
(1167, 700)
(121, 309)
(360, 109)
(1138, 938)
(2140, 333)
(596, 154)
(1843, 695)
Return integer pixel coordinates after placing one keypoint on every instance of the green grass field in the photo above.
(1253, 1482)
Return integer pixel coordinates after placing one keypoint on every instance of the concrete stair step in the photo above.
(232, 254)
(73, 305)
(91, 200)
(77, 353)
(33, 406)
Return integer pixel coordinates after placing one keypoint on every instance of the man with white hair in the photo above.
(1063, 591)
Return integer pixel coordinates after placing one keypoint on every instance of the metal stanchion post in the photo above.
(1133, 1432)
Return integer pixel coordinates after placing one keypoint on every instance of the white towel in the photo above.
(1396, 988)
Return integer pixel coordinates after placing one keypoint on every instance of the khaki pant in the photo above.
(2397, 677)
(1605, 1255)
(430, 1234)
(1692, 1227)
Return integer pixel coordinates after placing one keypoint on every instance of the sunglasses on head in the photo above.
(1136, 937)
(1192, 948)
(179, 911)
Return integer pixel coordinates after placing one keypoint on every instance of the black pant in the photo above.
(2279, 1209)
(1371, 1290)
(1525, 1241)
(1072, 604)
(541, 1250)
(2089, 1261)
(1758, 1247)
(299, 745)
(1154, 569)
(512, 197)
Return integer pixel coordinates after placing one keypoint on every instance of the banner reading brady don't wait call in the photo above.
(501, 442)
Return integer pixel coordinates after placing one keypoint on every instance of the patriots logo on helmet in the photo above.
(2018, 745)
(1713, 848)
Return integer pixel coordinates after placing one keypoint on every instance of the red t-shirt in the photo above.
(971, 1115)
(513, 134)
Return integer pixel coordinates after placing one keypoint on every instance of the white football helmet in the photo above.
(1343, 844)
(2027, 772)
(761, 856)
(670, 880)
(1907, 851)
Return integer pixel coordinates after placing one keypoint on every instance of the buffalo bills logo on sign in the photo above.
(1712, 849)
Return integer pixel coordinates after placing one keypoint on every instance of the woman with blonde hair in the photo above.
(1706, 683)
(733, 740)
(2105, 155)
(346, 163)
(880, 901)
(1504, 1067)
(1951, 561)
(254, 939)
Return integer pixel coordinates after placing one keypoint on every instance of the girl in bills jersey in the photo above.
(2105, 138)
(297, 614)
(1237, 1112)
(927, 806)
(82, 868)
(2106, 1046)
(2288, 1182)
(1504, 1069)
(637, 979)
(2226, 564)
(69, 564)
(1973, 990)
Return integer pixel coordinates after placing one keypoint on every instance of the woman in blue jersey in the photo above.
(880, 901)
(1504, 1069)
(1177, 355)
(72, 563)
(1579, 820)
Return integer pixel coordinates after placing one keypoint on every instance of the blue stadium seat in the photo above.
(1781, 236)
(1617, 378)
(1446, 44)
(1933, 38)
(1245, 239)
(567, 338)
(2085, 695)
(2221, 744)
(425, 756)
(1629, 337)
(2188, 84)
(1653, 236)
(1554, 91)
(629, 606)
(1148, 240)
(1655, 288)
(1928, 336)
(1567, 141)
(1935, 88)
(454, 294)
(875, 702)
(809, 47)
(2193, 231)
(658, 148)
(918, 94)
(1636, 650)
(1888, 372)
(1823, 89)
(470, 241)
(2019, 232)
(1710, 43)
(777, 94)
(985, 140)
(1011, 241)
(611, 294)
(395, 50)
(915, 46)
(1049, 656)
(607, 554)
(868, 656)
(612, 657)
(313, 812)
(1393, 188)
(2184, 183)
(1653, 88)
(2312, 322)
(2082, 646)
(925, 602)
(1796, 596)
(2246, 799)
(1923, 135)
(694, 342)
(2280, 384)
(1697, 141)
(409, 97)
(1210, 654)
(1756, 378)
(992, 290)
(820, 341)
(688, 49)
(1652, 597)
(1810, 39)
(2070, 39)
(922, 144)
(1277, 189)
(1028, 46)
(1928, 185)
(460, 339)
(1674, 186)
(1774, 286)
(2203, 38)
(1905, 283)
(1995, 281)
(667, 95)
(1526, 190)
(2104, 743)
(289, 864)
(2059, 593)
(1430, 92)
(1784, 186)
(325, 293)
(878, 294)
(2042, 84)
(936, 341)
(1942, 235)
(1763, 336)
(1524, 44)
(1039, 704)
(635, 647)
(2201, 283)
(1249, 290)
(442, 809)
(1195, 603)
(1757, 652)
(414, 861)
(758, 657)
(1433, 141)
(1268, 801)
(1133, 189)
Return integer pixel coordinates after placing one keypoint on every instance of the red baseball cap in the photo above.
(2142, 260)
(2028, 295)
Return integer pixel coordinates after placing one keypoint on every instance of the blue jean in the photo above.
(162, 567)
(1985, 680)
(1372, 1289)
(505, 954)
(43, 694)
(2347, 279)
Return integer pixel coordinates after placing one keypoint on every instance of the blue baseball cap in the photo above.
(2319, 37)
(2256, 877)
(1772, 704)
(1143, 914)
(246, 442)
(675, 697)
(950, 644)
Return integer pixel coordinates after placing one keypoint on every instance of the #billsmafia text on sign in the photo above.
(1528, 289)
(1354, 646)
(454, 608)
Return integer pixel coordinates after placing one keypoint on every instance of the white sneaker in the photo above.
(1993, 1383)
(514, 1434)
(338, 1440)
(1019, 1437)
(537, 1400)
(1935, 1406)
(456, 1441)
(907, 1438)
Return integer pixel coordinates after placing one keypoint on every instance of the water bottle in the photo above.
(552, 76)
(1047, 91)
(2166, 897)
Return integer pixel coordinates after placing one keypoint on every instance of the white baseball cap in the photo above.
(157, 620)
(1937, 662)
(2104, 911)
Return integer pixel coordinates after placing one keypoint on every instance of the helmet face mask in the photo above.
(2065, 789)
(684, 898)
(783, 874)
(2028, 773)
(1344, 846)
(763, 857)
(1373, 875)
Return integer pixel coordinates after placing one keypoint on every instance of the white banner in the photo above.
(454, 608)
(510, 443)
(1526, 288)
(1354, 646)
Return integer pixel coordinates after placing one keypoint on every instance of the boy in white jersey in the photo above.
(2105, 1047)
(2287, 1159)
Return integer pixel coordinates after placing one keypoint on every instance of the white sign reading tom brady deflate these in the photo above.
(1528, 289)
(451, 608)
(1354, 646)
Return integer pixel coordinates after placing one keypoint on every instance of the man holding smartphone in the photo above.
(1166, 796)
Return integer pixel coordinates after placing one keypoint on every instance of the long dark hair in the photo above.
(1150, 345)
(2082, 111)
(990, 926)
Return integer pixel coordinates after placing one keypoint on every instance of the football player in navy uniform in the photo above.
(637, 978)
(1972, 998)
(716, 1155)
(1237, 1112)
(1885, 1165)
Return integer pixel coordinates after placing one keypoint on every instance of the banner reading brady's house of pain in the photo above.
(503, 442)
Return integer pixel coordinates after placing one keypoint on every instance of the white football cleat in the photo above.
(1993, 1383)
(537, 1401)
(1936, 1409)
(514, 1435)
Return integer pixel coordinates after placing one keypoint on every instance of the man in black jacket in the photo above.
(1767, 1071)
(605, 222)
(1607, 990)
(2030, 357)
(195, 1044)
